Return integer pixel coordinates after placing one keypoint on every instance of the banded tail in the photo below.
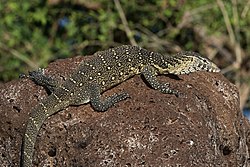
(38, 115)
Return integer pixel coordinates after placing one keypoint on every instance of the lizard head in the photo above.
(188, 62)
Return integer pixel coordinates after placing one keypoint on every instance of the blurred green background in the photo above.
(34, 33)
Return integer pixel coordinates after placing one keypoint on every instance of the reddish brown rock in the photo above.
(202, 128)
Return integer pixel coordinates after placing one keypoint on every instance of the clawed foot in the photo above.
(39, 78)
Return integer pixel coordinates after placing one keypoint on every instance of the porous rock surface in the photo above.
(203, 127)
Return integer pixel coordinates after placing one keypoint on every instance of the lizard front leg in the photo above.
(149, 74)
(103, 105)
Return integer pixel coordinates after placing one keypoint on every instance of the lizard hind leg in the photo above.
(103, 105)
(39, 78)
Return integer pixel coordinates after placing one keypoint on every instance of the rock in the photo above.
(203, 127)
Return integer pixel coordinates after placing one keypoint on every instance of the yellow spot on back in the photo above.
(71, 79)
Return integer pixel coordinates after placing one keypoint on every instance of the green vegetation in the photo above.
(33, 33)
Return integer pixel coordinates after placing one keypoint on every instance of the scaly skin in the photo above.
(107, 69)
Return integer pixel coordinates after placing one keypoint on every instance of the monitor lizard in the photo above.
(105, 70)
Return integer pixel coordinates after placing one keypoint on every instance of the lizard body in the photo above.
(107, 69)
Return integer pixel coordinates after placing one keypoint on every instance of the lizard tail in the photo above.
(40, 113)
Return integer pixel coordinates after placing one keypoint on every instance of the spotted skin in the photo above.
(105, 70)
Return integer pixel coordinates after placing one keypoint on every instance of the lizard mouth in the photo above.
(211, 68)
(214, 68)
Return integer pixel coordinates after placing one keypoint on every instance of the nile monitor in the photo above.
(105, 70)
